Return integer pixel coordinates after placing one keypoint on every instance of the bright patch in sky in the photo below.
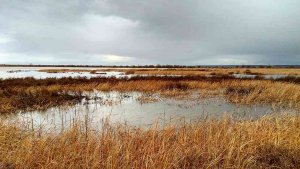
(116, 58)
(4, 39)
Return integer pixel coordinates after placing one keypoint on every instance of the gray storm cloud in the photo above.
(150, 32)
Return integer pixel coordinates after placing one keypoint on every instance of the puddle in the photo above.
(126, 108)
(43, 75)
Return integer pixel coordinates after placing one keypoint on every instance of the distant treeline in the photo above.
(157, 66)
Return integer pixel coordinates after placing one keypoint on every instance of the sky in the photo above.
(143, 32)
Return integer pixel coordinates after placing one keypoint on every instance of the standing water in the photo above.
(128, 108)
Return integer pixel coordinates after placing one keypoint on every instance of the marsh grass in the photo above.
(270, 142)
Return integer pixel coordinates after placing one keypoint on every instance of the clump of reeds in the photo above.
(271, 142)
(93, 72)
(281, 94)
(129, 72)
(37, 98)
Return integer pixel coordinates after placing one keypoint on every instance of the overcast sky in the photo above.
(191, 32)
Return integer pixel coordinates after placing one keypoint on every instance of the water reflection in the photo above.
(275, 76)
(43, 75)
(127, 108)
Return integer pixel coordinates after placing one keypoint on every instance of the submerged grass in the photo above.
(270, 142)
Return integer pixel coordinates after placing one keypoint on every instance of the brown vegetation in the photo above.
(271, 142)
(64, 70)
(34, 98)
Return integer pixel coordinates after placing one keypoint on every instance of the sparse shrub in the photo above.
(247, 71)
(176, 86)
(129, 72)
(93, 72)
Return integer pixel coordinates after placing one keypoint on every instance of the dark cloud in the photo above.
(150, 32)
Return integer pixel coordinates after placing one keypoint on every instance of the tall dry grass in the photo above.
(283, 94)
(271, 142)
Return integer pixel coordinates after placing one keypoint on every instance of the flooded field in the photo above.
(141, 110)
(89, 72)
(112, 84)
(182, 114)
(6, 73)
(134, 108)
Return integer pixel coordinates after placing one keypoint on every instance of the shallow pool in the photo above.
(128, 108)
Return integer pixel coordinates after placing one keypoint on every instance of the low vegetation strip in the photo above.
(270, 142)
(188, 71)
(221, 71)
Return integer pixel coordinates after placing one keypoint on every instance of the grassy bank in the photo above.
(33, 94)
(266, 143)
(214, 71)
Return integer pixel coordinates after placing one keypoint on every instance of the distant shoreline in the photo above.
(157, 66)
